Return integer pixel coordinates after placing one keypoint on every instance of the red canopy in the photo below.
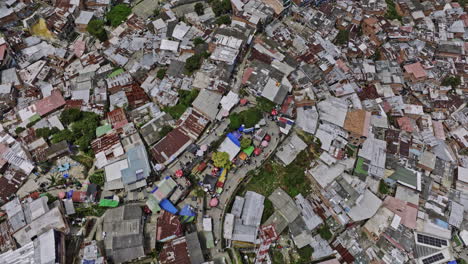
(179, 173)
(243, 101)
(257, 151)
(214, 202)
(267, 137)
(274, 112)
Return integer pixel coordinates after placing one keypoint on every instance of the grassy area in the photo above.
(93, 210)
(391, 11)
(273, 175)
(268, 210)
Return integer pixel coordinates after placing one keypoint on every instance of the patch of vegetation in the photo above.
(291, 178)
(452, 81)
(165, 130)
(342, 37)
(249, 118)
(245, 142)
(19, 129)
(46, 132)
(268, 210)
(264, 104)
(97, 178)
(383, 187)
(461, 261)
(325, 232)
(223, 20)
(391, 11)
(198, 41)
(193, 63)
(93, 210)
(96, 28)
(276, 257)
(84, 160)
(359, 169)
(221, 7)
(50, 198)
(185, 100)
(81, 131)
(161, 73)
(199, 9)
(118, 14)
(32, 123)
(305, 254)
(221, 160)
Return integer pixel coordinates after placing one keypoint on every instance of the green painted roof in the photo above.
(34, 117)
(249, 150)
(108, 203)
(359, 169)
(116, 72)
(103, 130)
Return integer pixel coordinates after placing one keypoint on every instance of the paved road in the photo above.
(233, 180)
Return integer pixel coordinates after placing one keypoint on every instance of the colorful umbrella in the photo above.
(204, 147)
(257, 151)
(267, 137)
(214, 202)
(264, 143)
(179, 173)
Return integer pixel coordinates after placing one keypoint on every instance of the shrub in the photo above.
(97, 178)
(453, 81)
(19, 129)
(221, 7)
(199, 9)
(198, 41)
(342, 37)
(118, 14)
(161, 73)
(225, 19)
(193, 63)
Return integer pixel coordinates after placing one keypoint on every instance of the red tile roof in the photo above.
(50, 103)
(170, 145)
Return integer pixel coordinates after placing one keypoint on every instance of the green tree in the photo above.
(264, 104)
(97, 178)
(96, 28)
(342, 37)
(198, 41)
(118, 14)
(161, 73)
(199, 9)
(69, 116)
(383, 187)
(221, 160)
(224, 19)
(324, 232)
(19, 129)
(245, 143)
(65, 134)
(193, 63)
(221, 7)
(453, 81)
(46, 132)
(235, 121)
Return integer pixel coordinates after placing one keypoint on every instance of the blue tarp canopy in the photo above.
(187, 211)
(168, 206)
(234, 139)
